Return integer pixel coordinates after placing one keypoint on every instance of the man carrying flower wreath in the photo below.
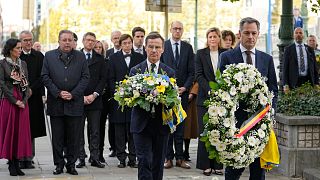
(247, 53)
(150, 135)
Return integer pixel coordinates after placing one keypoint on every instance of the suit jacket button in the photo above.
(65, 79)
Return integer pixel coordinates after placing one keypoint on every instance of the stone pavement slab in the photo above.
(44, 167)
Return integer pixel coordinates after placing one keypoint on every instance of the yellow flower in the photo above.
(124, 81)
(148, 78)
(161, 88)
(172, 80)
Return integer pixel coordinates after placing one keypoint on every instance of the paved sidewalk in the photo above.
(44, 167)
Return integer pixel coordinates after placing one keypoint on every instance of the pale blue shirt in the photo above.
(305, 59)
(174, 46)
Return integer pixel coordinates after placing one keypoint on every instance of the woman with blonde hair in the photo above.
(206, 66)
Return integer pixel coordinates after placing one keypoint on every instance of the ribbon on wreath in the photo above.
(167, 116)
(253, 120)
(270, 157)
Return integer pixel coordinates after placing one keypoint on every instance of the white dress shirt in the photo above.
(155, 68)
(244, 55)
(214, 55)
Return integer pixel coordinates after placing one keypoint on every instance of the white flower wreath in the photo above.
(238, 83)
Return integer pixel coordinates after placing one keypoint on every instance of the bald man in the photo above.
(299, 65)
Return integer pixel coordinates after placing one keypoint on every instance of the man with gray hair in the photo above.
(34, 60)
(65, 74)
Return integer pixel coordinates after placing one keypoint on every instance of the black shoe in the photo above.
(72, 171)
(17, 166)
(101, 159)
(28, 165)
(58, 170)
(97, 164)
(112, 153)
(12, 168)
(133, 164)
(81, 163)
(122, 165)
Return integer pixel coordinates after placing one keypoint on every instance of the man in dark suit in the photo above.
(120, 65)
(299, 65)
(247, 53)
(92, 102)
(138, 38)
(179, 56)
(34, 60)
(149, 134)
(115, 36)
(65, 74)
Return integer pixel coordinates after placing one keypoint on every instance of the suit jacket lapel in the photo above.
(238, 55)
(208, 59)
(123, 61)
(259, 62)
(144, 67)
(170, 53)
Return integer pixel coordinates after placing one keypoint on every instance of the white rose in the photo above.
(225, 96)
(263, 126)
(245, 89)
(213, 111)
(239, 77)
(261, 133)
(220, 147)
(233, 91)
(226, 122)
(242, 150)
(221, 111)
(215, 133)
(263, 99)
(252, 141)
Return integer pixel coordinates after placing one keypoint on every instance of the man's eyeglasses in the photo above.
(176, 29)
(27, 40)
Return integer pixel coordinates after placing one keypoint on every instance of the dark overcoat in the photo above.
(34, 62)
(57, 77)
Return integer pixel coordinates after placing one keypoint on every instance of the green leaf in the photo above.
(213, 85)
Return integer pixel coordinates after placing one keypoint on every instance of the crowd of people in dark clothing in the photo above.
(77, 86)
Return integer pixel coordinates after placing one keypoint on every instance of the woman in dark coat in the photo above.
(15, 137)
(206, 67)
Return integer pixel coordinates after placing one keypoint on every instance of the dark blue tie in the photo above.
(88, 56)
(177, 56)
(302, 65)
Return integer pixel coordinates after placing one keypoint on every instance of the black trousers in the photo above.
(65, 127)
(123, 135)
(103, 120)
(93, 119)
(151, 149)
(256, 172)
(203, 161)
(176, 139)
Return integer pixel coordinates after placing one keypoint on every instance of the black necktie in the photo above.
(126, 55)
(249, 59)
(88, 56)
(177, 56)
(302, 65)
(153, 66)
